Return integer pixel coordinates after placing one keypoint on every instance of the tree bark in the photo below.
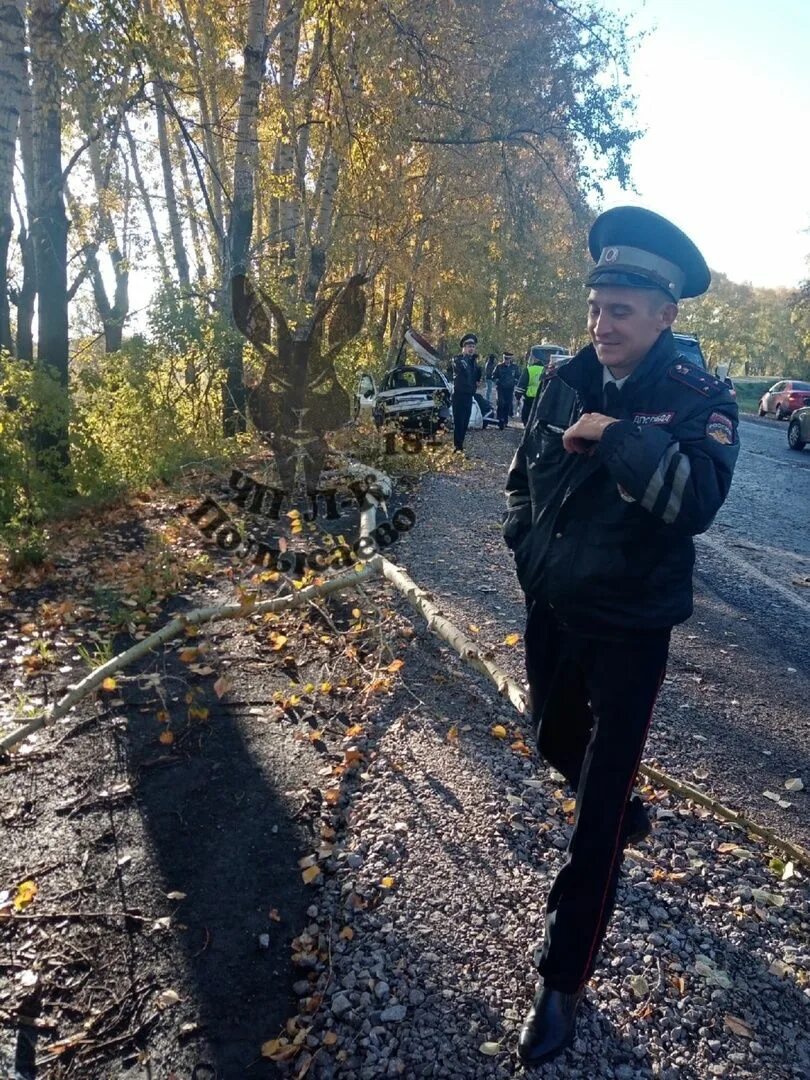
(113, 315)
(191, 209)
(49, 223)
(240, 227)
(173, 214)
(289, 41)
(12, 77)
(27, 294)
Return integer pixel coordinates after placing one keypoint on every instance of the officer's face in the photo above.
(468, 348)
(624, 324)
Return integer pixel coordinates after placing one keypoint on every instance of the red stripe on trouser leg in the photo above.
(623, 679)
(599, 931)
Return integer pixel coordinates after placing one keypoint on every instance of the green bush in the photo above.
(136, 419)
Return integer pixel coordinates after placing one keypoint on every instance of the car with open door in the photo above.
(414, 396)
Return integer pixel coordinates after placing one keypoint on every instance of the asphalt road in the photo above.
(737, 703)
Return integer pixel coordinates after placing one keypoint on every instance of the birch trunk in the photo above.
(172, 212)
(27, 295)
(49, 224)
(113, 315)
(289, 40)
(240, 228)
(12, 77)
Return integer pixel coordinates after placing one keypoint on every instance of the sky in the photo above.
(723, 91)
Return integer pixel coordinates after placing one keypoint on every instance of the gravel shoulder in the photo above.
(433, 841)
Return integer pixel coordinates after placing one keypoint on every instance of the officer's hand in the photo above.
(581, 437)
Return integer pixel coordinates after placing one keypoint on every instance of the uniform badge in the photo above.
(720, 428)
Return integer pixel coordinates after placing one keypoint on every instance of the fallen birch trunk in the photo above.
(173, 629)
(465, 648)
(510, 689)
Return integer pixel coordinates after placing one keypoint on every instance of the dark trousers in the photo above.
(525, 409)
(505, 397)
(462, 407)
(592, 702)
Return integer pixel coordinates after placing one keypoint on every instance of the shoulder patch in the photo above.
(720, 428)
(695, 378)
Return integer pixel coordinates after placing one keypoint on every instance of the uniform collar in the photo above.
(585, 374)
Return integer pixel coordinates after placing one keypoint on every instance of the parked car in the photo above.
(799, 429)
(784, 398)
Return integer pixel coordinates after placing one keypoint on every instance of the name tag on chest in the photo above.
(660, 418)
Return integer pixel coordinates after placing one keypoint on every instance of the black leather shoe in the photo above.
(637, 825)
(549, 1027)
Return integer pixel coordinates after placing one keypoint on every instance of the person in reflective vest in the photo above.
(529, 384)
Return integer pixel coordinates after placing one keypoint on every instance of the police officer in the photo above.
(505, 378)
(466, 375)
(529, 383)
(629, 453)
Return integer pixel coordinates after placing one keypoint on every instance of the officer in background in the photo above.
(629, 453)
(529, 384)
(505, 377)
(465, 372)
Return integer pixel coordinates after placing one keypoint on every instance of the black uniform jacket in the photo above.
(506, 377)
(606, 538)
(465, 373)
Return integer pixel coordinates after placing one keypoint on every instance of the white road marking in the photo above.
(744, 567)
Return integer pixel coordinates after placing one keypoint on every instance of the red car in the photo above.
(784, 398)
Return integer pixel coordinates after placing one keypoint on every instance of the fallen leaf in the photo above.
(166, 737)
(26, 891)
(356, 613)
(387, 883)
(175, 896)
(569, 806)
(711, 973)
(166, 998)
(738, 1027)
(762, 896)
(330, 1038)
(473, 628)
(788, 872)
(490, 1048)
(347, 933)
(187, 656)
(395, 665)
(222, 685)
(326, 687)
(520, 747)
(795, 784)
(499, 731)
(278, 1049)
(511, 639)
(452, 734)
(310, 874)
(109, 684)
(639, 986)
